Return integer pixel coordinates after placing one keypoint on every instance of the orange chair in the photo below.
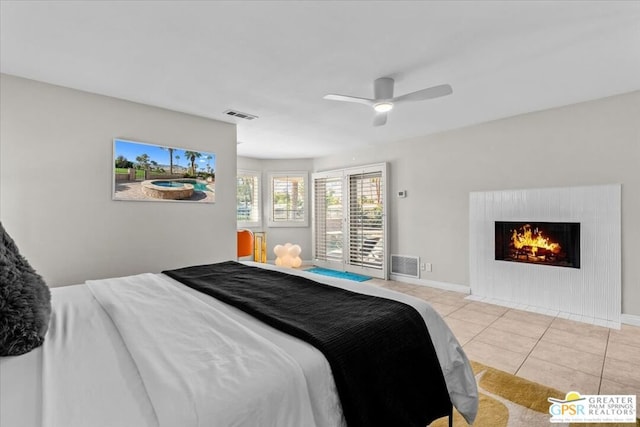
(245, 243)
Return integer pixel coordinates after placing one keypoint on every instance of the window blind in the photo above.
(366, 225)
(328, 236)
(288, 194)
(248, 198)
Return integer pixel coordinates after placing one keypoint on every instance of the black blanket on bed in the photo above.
(380, 352)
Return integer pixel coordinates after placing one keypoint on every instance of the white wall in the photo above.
(56, 165)
(591, 143)
(281, 235)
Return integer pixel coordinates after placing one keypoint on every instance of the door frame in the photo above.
(344, 265)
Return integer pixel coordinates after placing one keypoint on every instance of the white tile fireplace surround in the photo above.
(591, 293)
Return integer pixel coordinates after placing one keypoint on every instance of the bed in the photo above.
(150, 350)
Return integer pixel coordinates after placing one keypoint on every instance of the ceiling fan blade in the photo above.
(380, 119)
(429, 93)
(346, 98)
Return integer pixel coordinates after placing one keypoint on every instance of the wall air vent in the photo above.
(240, 115)
(405, 265)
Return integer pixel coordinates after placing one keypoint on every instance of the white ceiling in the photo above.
(277, 60)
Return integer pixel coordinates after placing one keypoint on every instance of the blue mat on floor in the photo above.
(338, 274)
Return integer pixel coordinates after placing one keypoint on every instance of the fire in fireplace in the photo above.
(544, 243)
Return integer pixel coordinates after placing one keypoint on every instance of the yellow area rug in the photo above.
(510, 401)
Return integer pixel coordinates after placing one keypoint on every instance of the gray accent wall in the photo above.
(56, 166)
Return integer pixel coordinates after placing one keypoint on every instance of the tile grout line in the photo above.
(534, 346)
(604, 360)
(484, 329)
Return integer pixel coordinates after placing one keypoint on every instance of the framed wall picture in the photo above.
(147, 172)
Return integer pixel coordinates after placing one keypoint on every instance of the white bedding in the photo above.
(199, 366)
(101, 366)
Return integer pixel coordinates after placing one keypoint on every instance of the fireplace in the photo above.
(589, 290)
(542, 243)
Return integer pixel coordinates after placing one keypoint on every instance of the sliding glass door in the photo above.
(349, 226)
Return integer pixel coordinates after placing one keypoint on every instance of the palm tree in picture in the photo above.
(170, 150)
(191, 157)
(209, 157)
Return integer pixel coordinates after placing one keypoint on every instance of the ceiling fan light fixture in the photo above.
(383, 107)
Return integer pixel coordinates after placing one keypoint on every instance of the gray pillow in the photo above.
(25, 301)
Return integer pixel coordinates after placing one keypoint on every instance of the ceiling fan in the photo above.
(384, 100)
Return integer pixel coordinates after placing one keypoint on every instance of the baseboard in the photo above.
(431, 283)
(630, 319)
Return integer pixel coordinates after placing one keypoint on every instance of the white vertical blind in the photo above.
(328, 214)
(288, 199)
(366, 227)
(248, 199)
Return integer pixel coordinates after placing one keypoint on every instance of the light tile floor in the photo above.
(559, 353)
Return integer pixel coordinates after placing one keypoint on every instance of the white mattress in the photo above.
(84, 374)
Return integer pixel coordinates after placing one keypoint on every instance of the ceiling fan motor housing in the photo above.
(383, 88)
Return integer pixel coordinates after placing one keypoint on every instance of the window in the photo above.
(248, 199)
(288, 199)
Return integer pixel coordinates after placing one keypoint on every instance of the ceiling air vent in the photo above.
(405, 265)
(240, 115)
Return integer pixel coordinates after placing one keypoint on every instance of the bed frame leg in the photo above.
(451, 417)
